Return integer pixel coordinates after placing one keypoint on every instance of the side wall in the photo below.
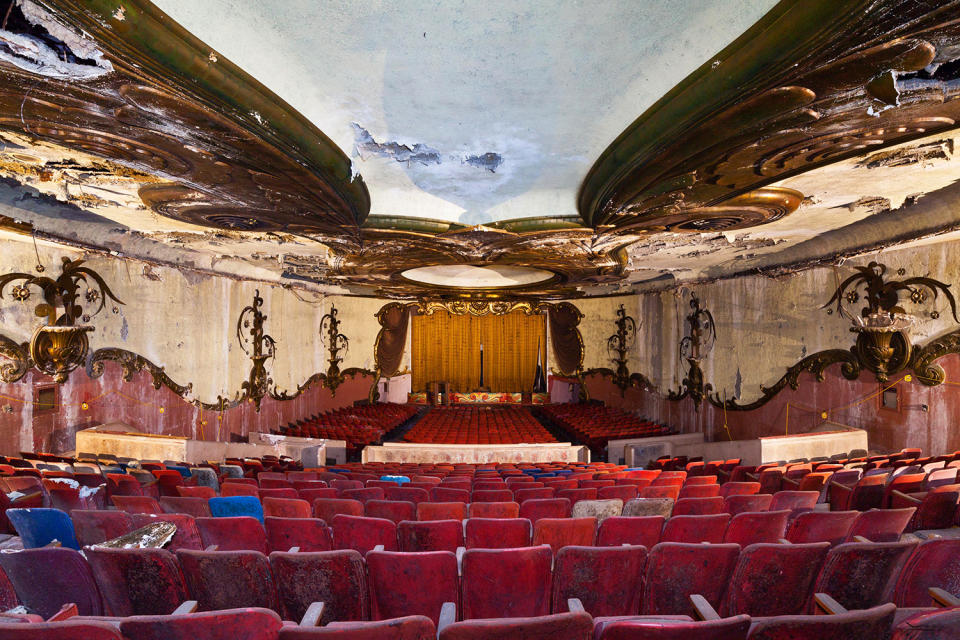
(764, 326)
(185, 322)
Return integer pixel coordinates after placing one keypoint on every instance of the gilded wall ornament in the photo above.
(337, 345)
(694, 346)
(619, 346)
(61, 345)
(259, 346)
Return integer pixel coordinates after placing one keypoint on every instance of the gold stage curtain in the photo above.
(446, 348)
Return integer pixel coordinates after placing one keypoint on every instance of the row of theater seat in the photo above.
(359, 426)
(759, 580)
(478, 425)
(595, 425)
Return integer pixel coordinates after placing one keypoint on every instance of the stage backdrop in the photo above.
(446, 348)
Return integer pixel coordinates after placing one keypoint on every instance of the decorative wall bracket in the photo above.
(618, 347)
(335, 343)
(693, 348)
(259, 346)
(883, 344)
(61, 345)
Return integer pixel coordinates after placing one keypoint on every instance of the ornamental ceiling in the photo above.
(580, 150)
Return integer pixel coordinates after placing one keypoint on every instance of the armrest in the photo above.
(703, 609)
(379, 547)
(754, 477)
(448, 615)
(828, 605)
(842, 487)
(313, 615)
(25, 498)
(860, 539)
(460, 552)
(904, 497)
(787, 480)
(783, 541)
(66, 612)
(293, 550)
(212, 547)
(188, 606)
(943, 598)
(574, 605)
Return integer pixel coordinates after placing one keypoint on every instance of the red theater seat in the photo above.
(309, 534)
(94, 527)
(642, 530)
(497, 533)
(869, 624)
(363, 534)
(442, 511)
(235, 624)
(774, 579)
(403, 584)
(739, 503)
(228, 579)
(493, 510)
(187, 535)
(698, 506)
(328, 508)
(196, 507)
(137, 582)
(336, 578)
(433, 535)
(860, 575)
(695, 528)
(881, 525)
(238, 533)
(675, 571)
(506, 583)
(393, 510)
(533, 510)
(608, 581)
(750, 528)
(286, 508)
(569, 626)
(821, 526)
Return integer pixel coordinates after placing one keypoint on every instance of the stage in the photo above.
(476, 453)
(483, 397)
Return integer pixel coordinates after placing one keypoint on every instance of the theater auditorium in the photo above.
(479, 320)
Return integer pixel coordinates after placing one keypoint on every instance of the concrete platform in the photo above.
(476, 453)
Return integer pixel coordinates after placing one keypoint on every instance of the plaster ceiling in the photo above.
(469, 111)
(635, 146)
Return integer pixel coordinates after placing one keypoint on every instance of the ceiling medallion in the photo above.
(478, 277)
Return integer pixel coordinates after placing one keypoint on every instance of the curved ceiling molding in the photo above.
(811, 83)
(223, 151)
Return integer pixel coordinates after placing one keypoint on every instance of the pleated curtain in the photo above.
(446, 348)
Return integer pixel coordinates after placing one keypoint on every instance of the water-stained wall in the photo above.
(764, 325)
(185, 322)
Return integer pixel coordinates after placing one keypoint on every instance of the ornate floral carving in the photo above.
(17, 359)
(259, 346)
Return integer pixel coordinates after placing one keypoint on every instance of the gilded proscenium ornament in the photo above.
(694, 347)
(61, 345)
(259, 346)
(883, 343)
(335, 343)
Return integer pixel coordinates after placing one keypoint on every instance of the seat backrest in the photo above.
(40, 527)
(498, 533)
(328, 508)
(934, 563)
(666, 491)
(700, 491)
(236, 506)
(562, 532)
(821, 526)
(310, 534)
(450, 494)
(506, 583)
(937, 509)
(137, 581)
(367, 493)
(286, 493)
(633, 530)
(187, 535)
(393, 510)
(442, 511)
(407, 494)
(233, 533)
(695, 528)
(570, 626)
(734, 628)
(676, 570)
(336, 578)
(868, 624)
(136, 504)
(935, 624)
(881, 525)
(405, 628)
(860, 575)
(492, 495)
(45, 579)
(794, 500)
(698, 506)
(234, 624)
(235, 489)
(762, 526)
(363, 534)
(432, 535)
(411, 583)
(739, 488)
(493, 510)
(741, 502)
(538, 493)
(228, 579)
(619, 492)
(649, 507)
(774, 579)
(607, 580)
(94, 527)
(533, 510)
(196, 507)
(286, 508)
(86, 630)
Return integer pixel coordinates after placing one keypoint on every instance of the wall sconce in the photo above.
(619, 345)
(61, 345)
(695, 346)
(882, 327)
(335, 342)
(259, 346)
